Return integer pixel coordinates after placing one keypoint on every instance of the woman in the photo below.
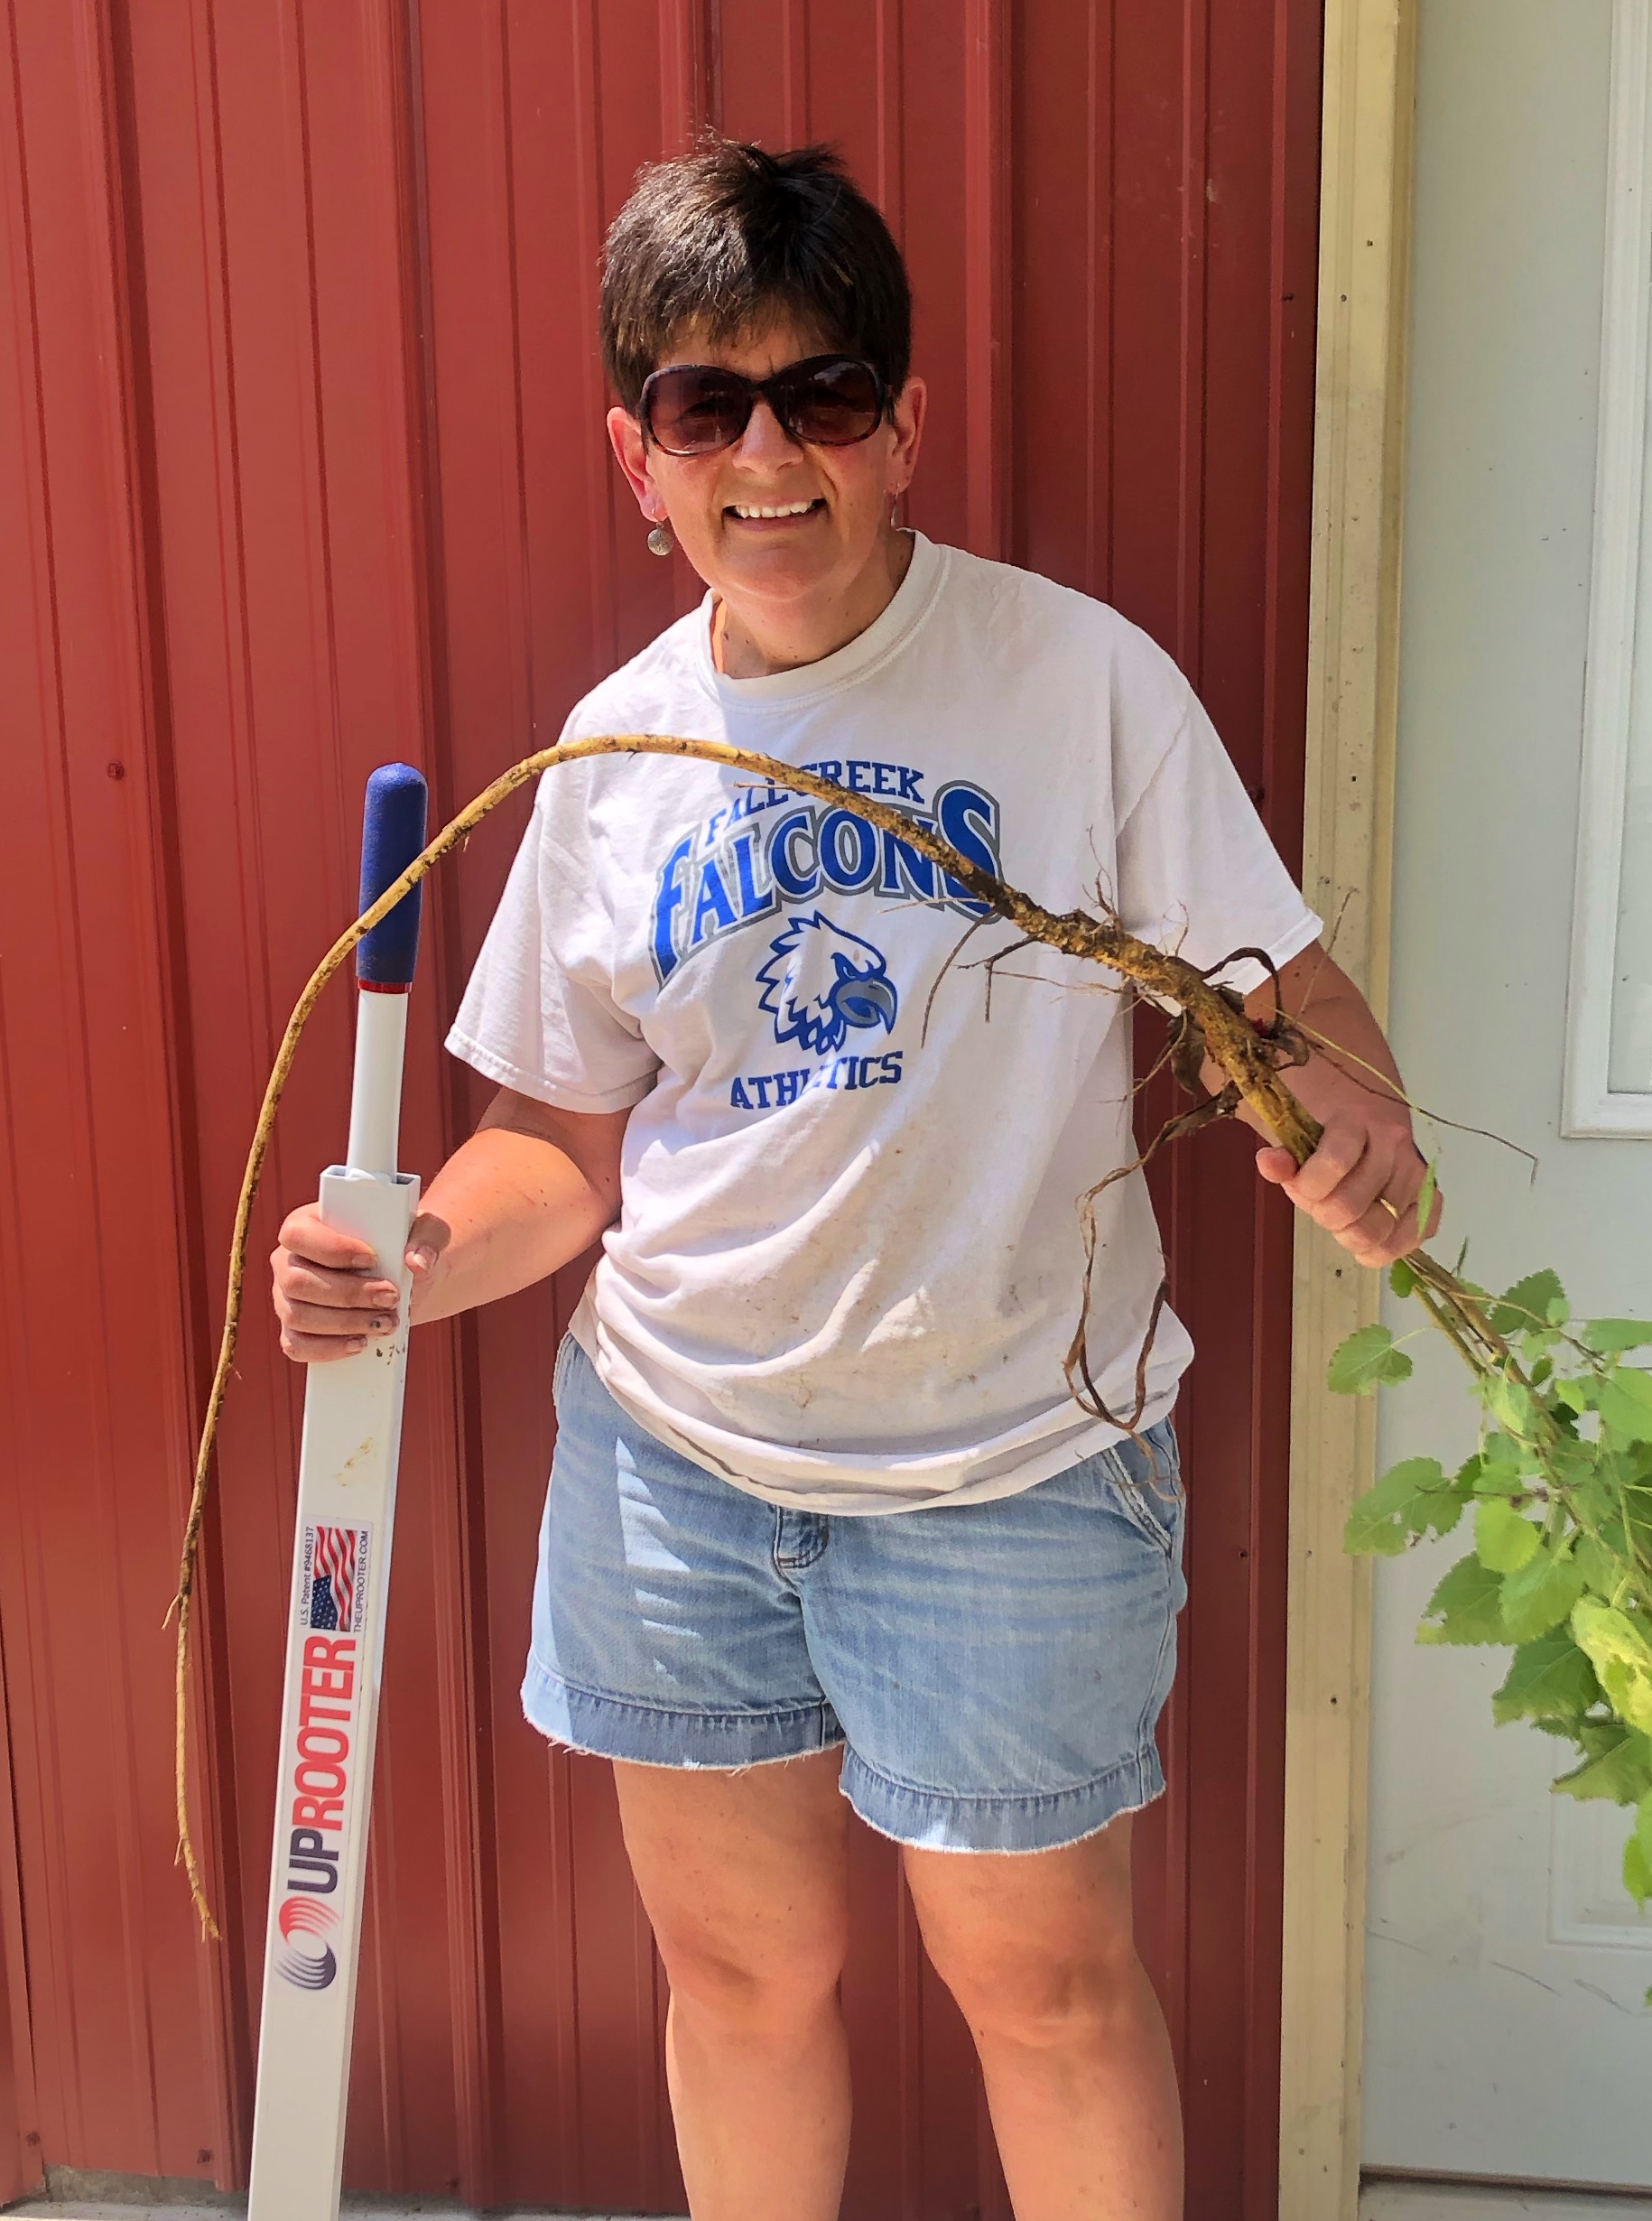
(824, 1523)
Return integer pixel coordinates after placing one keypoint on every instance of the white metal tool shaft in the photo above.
(336, 1612)
(329, 1717)
(376, 1093)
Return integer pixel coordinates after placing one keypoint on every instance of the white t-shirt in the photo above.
(848, 1263)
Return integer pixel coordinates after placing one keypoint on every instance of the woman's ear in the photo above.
(907, 420)
(625, 437)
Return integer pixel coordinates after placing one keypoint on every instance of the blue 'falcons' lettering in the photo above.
(772, 850)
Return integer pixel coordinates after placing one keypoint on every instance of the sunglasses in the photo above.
(826, 401)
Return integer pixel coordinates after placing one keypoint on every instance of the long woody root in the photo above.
(1212, 1022)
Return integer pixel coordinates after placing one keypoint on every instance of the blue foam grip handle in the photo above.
(392, 835)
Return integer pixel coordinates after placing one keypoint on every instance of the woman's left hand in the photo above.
(1362, 1182)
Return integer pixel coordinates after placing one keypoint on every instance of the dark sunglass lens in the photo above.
(693, 412)
(834, 405)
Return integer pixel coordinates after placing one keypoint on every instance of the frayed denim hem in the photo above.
(936, 1820)
(615, 1727)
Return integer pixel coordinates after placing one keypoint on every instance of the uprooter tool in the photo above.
(340, 1587)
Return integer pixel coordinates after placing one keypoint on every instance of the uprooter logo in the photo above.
(307, 1960)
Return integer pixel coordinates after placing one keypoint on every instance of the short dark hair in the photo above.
(728, 235)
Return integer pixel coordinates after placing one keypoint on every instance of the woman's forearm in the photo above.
(524, 1196)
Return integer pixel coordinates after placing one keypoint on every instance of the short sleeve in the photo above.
(1197, 871)
(539, 1014)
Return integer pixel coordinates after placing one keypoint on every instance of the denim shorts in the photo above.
(994, 1671)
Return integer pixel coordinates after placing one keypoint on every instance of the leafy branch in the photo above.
(1560, 1489)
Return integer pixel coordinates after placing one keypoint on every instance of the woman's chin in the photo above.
(785, 568)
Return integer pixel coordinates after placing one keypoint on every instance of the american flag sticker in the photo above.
(334, 1596)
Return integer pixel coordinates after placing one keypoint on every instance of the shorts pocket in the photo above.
(564, 1358)
(1146, 1481)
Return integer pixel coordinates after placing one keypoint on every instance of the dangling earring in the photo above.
(660, 541)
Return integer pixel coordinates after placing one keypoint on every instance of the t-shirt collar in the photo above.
(908, 605)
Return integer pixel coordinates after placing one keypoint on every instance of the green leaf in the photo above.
(1466, 1606)
(1600, 1738)
(1622, 1774)
(1425, 1195)
(1411, 1498)
(1612, 1338)
(1503, 1540)
(1576, 1394)
(1528, 1301)
(1497, 1469)
(1551, 1680)
(1637, 1871)
(1511, 1405)
(1625, 1402)
(1637, 1512)
(1370, 1534)
(1365, 1359)
(1402, 1279)
(1643, 1823)
(1541, 1594)
(1601, 1570)
(1621, 1657)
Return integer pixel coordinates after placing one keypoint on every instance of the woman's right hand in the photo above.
(329, 1296)
(530, 1191)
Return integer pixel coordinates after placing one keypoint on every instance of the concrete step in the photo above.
(1441, 2201)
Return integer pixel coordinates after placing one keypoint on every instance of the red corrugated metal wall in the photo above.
(300, 469)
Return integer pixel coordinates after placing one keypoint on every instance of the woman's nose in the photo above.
(766, 439)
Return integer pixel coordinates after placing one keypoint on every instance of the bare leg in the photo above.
(1038, 1950)
(745, 1879)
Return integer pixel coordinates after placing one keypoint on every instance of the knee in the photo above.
(1045, 1996)
(757, 1982)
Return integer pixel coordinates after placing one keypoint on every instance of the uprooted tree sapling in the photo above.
(1562, 1536)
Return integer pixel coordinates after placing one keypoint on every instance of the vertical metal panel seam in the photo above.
(224, 2017)
(320, 515)
(685, 91)
(476, 2064)
(219, 1760)
(568, 2064)
(33, 401)
(48, 1922)
(1190, 457)
(523, 551)
(378, 1971)
(588, 175)
(13, 1954)
(795, 70)
(986, 156)
(890, 184)
(1194, 262)
(648, 2006)
(1279, 270)
(1099, 190)
(909, 2011)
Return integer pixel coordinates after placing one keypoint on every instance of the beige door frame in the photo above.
(1371, 49)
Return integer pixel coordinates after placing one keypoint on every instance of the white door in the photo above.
(1505, 2031)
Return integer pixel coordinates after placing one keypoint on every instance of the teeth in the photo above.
(785, 509)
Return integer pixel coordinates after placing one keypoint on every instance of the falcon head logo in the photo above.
(819, 980)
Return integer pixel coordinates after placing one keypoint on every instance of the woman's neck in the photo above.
(755, 643)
